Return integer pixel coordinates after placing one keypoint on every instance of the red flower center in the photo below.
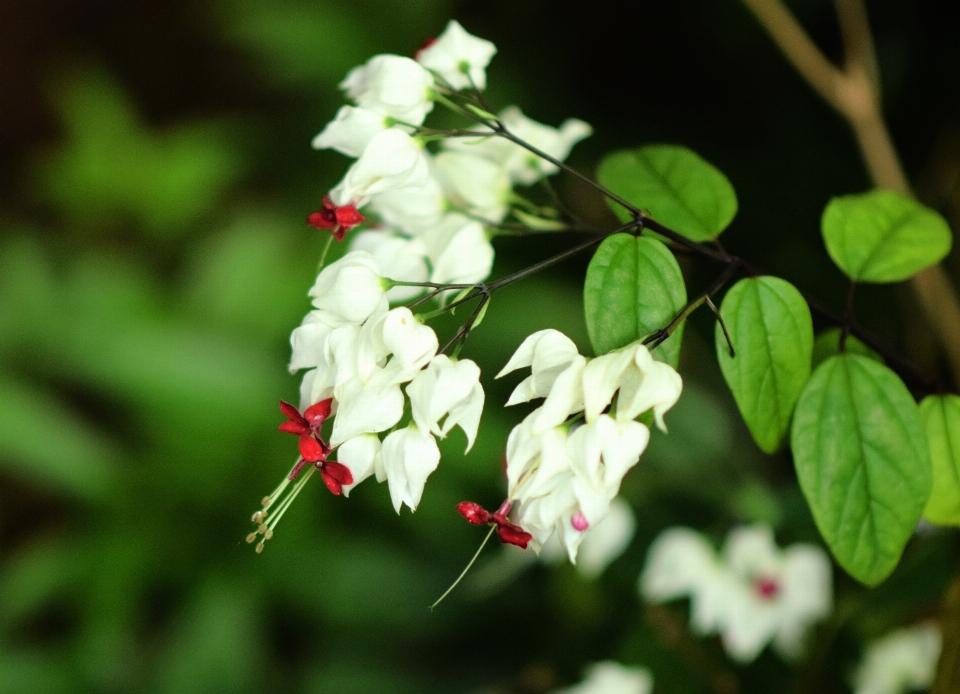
(337, 219)
(766, 587)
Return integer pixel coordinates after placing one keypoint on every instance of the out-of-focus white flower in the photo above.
(476, 184)
(391, 161)
(521, 165)
(401, 258)
(902, 661)
(392, 85)
(610, 677)
(451, 389)
(359, 454)
(409, 455)
(351, 130)
(756, 594)
(458, 57)
(350, 288)
(459, 251)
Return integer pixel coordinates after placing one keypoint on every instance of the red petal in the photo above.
(319, 220)
(338, 471)
(338, 232)
(289, 411)
(474, 512)
(332, 484)
(295, 428)
(312, 450)
(316, 415)
(348, 216)
(511, 534)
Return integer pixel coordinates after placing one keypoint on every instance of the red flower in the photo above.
(509, 533)
(338, 219)
(313, 449)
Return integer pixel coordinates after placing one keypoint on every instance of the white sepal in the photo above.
(409, 456)
(359, 454)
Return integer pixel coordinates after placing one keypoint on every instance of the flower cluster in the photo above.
(564, 473)
(433, 210)
(753, 593)
(359, 353)
(902, 661)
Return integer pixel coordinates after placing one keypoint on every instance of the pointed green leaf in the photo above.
(772, 334)
(941, 417)
(675, 185)
(827, 344)
(633, 287)
(882, 236)
(862, 461)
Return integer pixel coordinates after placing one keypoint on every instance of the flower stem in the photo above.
(465, 570)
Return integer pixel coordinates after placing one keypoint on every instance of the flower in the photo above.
(409, 455)
(392, 160)
(755, 594)
(351, 130)
(459, 249)
(313, 449)
(448, 389)
(351, 288)
(610, 677)
(337, 219)
(393, 85)
(605, 542)
(475, 184)
(360, 455)
(903, 660)
(400, 257)
(458, 57)
(508, 533)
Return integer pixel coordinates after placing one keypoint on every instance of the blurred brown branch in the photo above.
(854, 91)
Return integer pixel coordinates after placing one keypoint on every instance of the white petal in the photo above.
(601, 378)
(678, 563)
(350, 288)
(401, 258)
(365, 409)
(610, 677)
(606, 541)
(455, 49)
(359, 454)
(391, 161)
(409, 456)
(351, 131)
(475, 183)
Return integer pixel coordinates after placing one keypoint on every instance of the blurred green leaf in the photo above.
(941, 418)
(827, 345)
(772, 334)
(633, 287)
(36, 574)
(38, 673)
(862, 461)
(46, 443)
(882, 236)
(676, 185)
(111, 168)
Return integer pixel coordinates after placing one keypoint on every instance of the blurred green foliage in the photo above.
(153, 260)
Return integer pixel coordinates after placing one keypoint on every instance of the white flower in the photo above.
(902, 661)
(459, 250)
(602, 544)
(413, 211)
(359, 454)
(401, 258)
(309, 339)
(409, 455)
(351, 130)
(475, 183)
(610, 677)
(365, 409)
(521, 165)
(451, 389)
(411, 343)
(548, 353)
(392, 85)
(645, 384)
(755, 595)
(350, 288)
(458, 57)
(391, 161)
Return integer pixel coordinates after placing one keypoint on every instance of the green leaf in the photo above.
(827, 345)
(678, 188)
(772, 333)
(941, 417)
(882, 236)
(633, 287)
(862, 461)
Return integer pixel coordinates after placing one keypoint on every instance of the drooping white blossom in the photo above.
(414, 211)
(610, 677)
(602, 544)
(393, 85)
(351, 130)
(350, 288)
(447, 390)
(459, 249)
(360, 454)
(458, 57)
(548, 353)
(475, 184)
(400, 257)
(392, 160)
(409, 456)
(755, 594)
(902, 661)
